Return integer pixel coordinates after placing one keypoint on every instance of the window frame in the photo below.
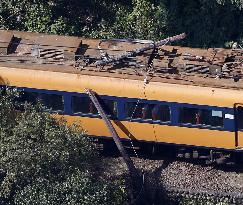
(236, 119)
(50, 110)
(83, 95)
(47, 92)
(202, 107)
(147, 102)
(81, 113)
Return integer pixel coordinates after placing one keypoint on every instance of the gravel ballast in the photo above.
(185, 180)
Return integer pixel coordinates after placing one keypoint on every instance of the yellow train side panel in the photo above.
(157, 133)
(195, 136)
(120, 87)
(125, 130)
(193, 94)
(140, 131)
(240, 139)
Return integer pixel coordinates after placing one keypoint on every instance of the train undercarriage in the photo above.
(210, 156)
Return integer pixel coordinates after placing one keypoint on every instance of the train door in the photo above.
(239, 125)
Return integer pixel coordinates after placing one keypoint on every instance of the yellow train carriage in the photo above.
(156, 112)
(176, 96)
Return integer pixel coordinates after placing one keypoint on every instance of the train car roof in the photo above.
(214, 67)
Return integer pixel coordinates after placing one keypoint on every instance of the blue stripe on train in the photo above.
(228, 123)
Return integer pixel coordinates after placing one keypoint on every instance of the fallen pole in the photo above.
(134, 52)
(133, 171)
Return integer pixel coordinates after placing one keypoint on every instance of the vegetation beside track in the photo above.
(44, 161)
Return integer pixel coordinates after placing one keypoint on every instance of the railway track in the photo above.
(172, 181)
(203, 182)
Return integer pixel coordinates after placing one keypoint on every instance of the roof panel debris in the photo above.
(119, 57)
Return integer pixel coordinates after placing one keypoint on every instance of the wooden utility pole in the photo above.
(132, 170)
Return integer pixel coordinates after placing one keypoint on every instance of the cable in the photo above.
(145, 82)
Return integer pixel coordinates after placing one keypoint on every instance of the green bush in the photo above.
(44, 161)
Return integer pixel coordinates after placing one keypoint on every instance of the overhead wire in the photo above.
(145, 82)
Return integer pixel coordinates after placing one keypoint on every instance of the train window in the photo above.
(52, 102)
(240, 117)
(138, 111)
(147, 111)
(85, 105)
(109, 106)
(29, 97)
(197, 116)
(161, 113)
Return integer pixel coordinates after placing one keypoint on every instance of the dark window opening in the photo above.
(147, 111)
(161, 113)
(240, 117)
(28, 97)
(85, 106)
(197, 116)
(52, 102)
(109, 106)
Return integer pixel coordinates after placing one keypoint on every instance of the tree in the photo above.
(238, 3)
(141, 19)
(208, 23)
(44, 161)
(36, 16)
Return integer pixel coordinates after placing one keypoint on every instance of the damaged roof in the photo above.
(119, 58)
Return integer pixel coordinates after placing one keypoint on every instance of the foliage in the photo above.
(44, 161)
(238, 3)
(78, 188)
(39, 19)
(143, 20)
(36, 16)
(208, 23)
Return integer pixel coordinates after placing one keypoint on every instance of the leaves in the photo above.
(141, 20)
(76, 189)
(44, 161)
(207, 23)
